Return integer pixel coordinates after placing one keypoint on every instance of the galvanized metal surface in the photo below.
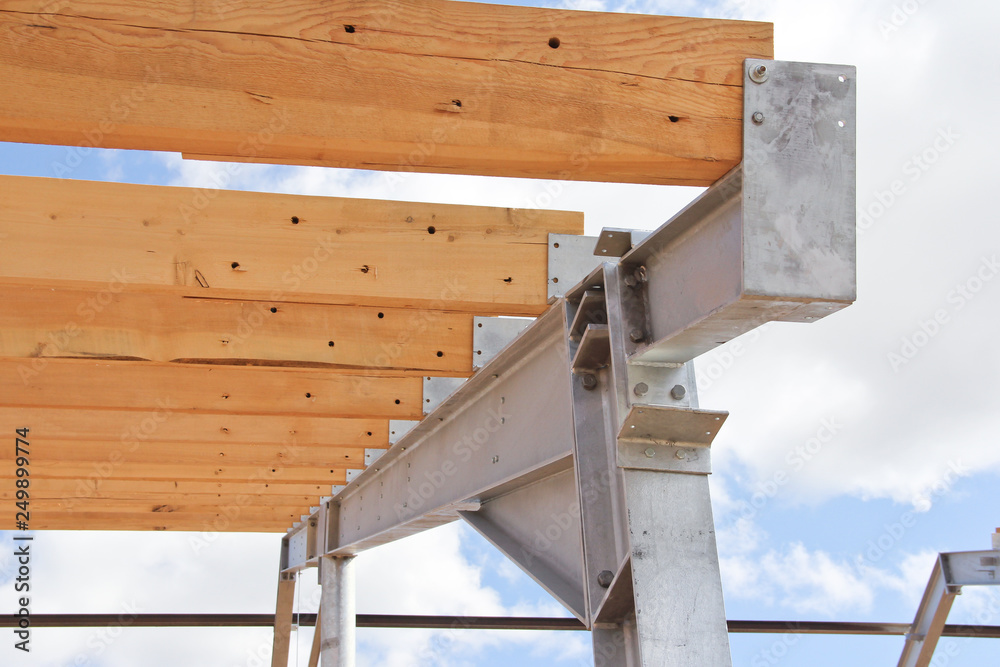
(338, 643)
(571, 259)
(490, 335)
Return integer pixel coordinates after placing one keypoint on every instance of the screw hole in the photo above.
(431, 230)
(673, 119)
(369, 432)
(381, 315)
(273, 309)
(440, 353)
(295, 219)
(555, 245)
(235, 265)
(308, 395)
(554, 42)
(480, 325)
(330, 343)
(555, 280)
(348, 28)
(397, 401)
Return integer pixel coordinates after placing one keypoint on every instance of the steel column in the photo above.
(337, 620)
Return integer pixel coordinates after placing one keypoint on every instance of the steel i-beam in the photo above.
(579, 450)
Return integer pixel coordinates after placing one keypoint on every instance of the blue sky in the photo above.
(912, 441)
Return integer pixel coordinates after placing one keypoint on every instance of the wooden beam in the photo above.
(414, 85)
(264, 456)
(150, 489)
(129, 427)
(165, 389)
(202, 522)
(283, 620)
(111, 238)
(115, 469)
(174, 492)
(42, 322)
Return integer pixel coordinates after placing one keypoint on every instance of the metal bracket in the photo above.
(614, 242)
(571, 259)
(492, 334)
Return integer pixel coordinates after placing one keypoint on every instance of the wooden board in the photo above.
(165, 389)
(111, 238)
(127, 427)
(42, 322)
(205, 523)
(410, 85)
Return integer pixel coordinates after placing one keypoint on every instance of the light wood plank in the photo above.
(151, 489)
(179, 472)
(264, 456)
(111, 238)
(41, 322)
(413, 85)
(129, 427)
(207, 524)
(166, 389)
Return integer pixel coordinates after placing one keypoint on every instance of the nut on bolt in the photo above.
(640, 389)
(678, 392)
(758, 73)
(605, 577)
(637, 335)
(589, 380)
(757, 118)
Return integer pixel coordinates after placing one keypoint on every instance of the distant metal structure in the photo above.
(951, 572)
(579, 450)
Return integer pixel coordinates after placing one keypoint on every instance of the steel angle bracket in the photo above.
(669, 439)
(774, 239)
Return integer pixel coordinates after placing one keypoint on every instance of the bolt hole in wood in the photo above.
(295, 219)
(673, 119)
(235, 265)
(554, 42)
(273, 309)
(397, 401)
(348, 28)
(308, 395)
(555, 245)
(381, 315)
(431, 229)
(330, 343)
(440, 353)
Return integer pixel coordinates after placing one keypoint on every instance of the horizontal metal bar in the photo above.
(468, 622)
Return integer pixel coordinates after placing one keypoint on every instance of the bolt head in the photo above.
(640, 389)
(757, 118)
(630, 280)
(589, 380)
(650, 452)
(636, 335)
(678, 392)
(605, 577)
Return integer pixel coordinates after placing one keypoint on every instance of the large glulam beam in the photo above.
(416, 85)
(111, 238)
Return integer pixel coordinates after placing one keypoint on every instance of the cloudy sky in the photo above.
(857, 447)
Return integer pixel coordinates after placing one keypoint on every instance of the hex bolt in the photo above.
(640, 274)
(678, 392)
(640, 389)
(605, 577)
(680, 454)
(636, 335)
(758, 73)
(589, 380)
(757, 118)
(630, 280)
(650, 452)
